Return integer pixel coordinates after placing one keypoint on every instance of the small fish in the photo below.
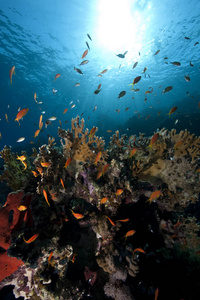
(45, 164)
(123, 220)
(22, 207)
(156, 52)
(84, 53)
(34, 173)
(187, 78)
(99, 86)
(84, 62)
(191, 64)
(73, 258)
(119, 192)
(98, 157)
(196, 43)
(45, 196)
(122, 55)
(104, 200)
(187, 38)
(148, 117)
(43, 112)
(172, 110)
(127, 108)
(177, 224)
(111, 222)
(40, 122)
(92, 132)
(89, 36)
(54, 91)
(109, 130)
(76, 215)
(65, 110)
(156, 294)
(78, 71)
(197, 171)
(133, 151)
(135, 65)
(155, 195)
(12, 71)
(87, 45)
(73, 105)
(105, 168)
(167, 89)
(67, 163)
(77, 84)
(176, 63)
(53, 118)
(57, 76)
(198, 105)
(176, 122)
(138, 250)
(121, 94)
(97, 92)
(178, 145)
(35, 97)
(49, 258)
(0, 135)
(144, 70)
(62, 183)
(32, 239)
(154, 139)
(103, 72)
(25, 165)
(21, 139)
(21, 114)
(36, 133)
(22, 157)
(117, 110)
(135, 80)
(99, 175)
(6, 116)
(95, 108)
(129, 233)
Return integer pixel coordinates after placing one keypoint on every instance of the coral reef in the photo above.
(94, 225)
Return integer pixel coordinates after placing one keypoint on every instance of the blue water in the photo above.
(43, 38)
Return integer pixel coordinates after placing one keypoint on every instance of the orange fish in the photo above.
(110, 221)
(119, 192)
(154, 139)
(45, 196)
(35, 173)
(21, 114)
(129, 233)
(12, 71)
(98, 157)
(99, 86)
(99, 175)
(36, 133)
(156, 294)
(177, 224)
(198, 105)
(109, 130)
(25, 165)
(65, 110)
(45, 164)
(40, 122)
(178, 145)
(57, 75)
(67, 162)
(197, 171)
(104, 200)
(84, 53)
(21, 207)
(105, 168)
(139, 250)
(133, 152)
(32, 239)
(35, 97)
(155, 195)
(61, 180)
(6, 116)
(49, 258)
(123, 220)
(172, 110)
(22, 157)
(77, 216)
(73, 258)
(92, 132)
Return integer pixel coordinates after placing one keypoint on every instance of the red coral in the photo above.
(10, 264)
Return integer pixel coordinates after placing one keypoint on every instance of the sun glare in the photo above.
(118, 26)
